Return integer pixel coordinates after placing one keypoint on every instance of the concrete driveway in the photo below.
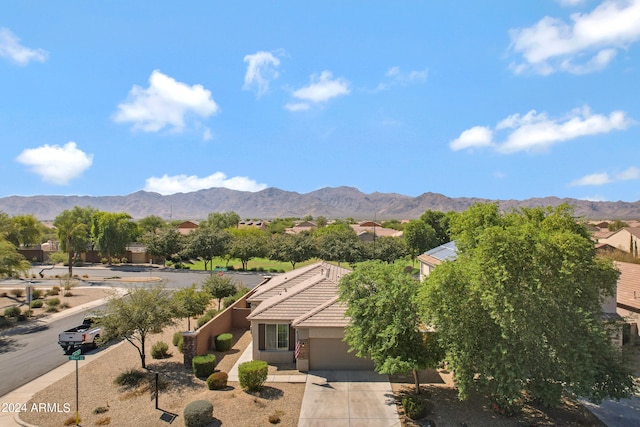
(348, 399)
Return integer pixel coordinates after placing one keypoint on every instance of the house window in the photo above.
(277, 337)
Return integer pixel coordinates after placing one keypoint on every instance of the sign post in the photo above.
(77, 356)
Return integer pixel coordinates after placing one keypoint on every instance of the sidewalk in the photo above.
(23, 394)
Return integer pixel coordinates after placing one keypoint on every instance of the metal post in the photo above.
(156, 390)
(77, 416)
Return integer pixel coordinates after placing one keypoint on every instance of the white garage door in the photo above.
(332, 354)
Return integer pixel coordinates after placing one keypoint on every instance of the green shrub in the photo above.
(36, 294)
(217, 380)
(38, 303)
(224, 342)
(17, 292)
(227, 301)
(160, 350)
(204, 365)
(100, 410)
(51, 309)
(21, 317)
(208, 315)
(198, 413)
(181, 345)
(53, 291)
(130, 378)
(415, 407)
(252, 375)
(177, 337)
(12, 311)
(52, 302)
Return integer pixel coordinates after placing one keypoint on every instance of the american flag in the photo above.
(297, 352)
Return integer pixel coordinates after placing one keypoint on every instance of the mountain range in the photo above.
(337, 202)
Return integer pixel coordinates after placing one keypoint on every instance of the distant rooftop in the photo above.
(446, 252)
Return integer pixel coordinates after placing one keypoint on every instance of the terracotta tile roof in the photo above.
(294, 302)
(628, 291)
(275, 285)
(331, 314)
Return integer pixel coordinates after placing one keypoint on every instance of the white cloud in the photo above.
(589, 43)
(185, 184)
(56, 164)
(322, 88)
(397, 77)
(593, 179)
(630, 173)
(166, 102)
(477, 136)
(261, 69)
(11, 48)
(297, 106)
(537, 132)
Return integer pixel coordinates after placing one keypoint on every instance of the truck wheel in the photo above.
(96, 341)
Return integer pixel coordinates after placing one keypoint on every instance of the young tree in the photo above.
(519, 312)
(142, 312)
(293, 248)
(167, 243)
(151, 224)
(247, 243)
(384, 323)
(74, 231)
(26, 230)
(219, 287)
(222, 220)
(190, 302)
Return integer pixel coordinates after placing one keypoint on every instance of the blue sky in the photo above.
(500, 99)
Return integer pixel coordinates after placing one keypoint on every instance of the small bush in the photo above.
(224, 342)
(160, 350)
(252, 375)
(38, 303)
(274, 419)
(198, 413)
(217, 380)
(104, 260)
(51, 309)
(176, 338)
(415, 407)
(227, 301)
(17, 292)
(208, 315)
(204, 365)
(100, 410)
(181, 345)
(36, 294)
(52, 302)
(65, 305)
(21, 317)
(68, 294)
(130, 378)
(53, 291)
(12, 311)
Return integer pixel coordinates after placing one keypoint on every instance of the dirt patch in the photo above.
(126, 407)
(445, 409)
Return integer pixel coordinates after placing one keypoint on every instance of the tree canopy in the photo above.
(142, 312)
(219, 287)
(519, 312)
(112, 232)
(11, 261)
(384, 323)
(190, 302)
(74, 231)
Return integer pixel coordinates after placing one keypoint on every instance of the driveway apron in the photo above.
(348, 399)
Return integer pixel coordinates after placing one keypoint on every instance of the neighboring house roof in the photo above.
(628, 289)
(301, 227)
(435, 256)
(186, 227)
(331, 314)
(378, 230)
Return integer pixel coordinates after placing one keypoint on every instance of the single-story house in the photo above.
(625, 239)
(436, 256)
(301, 227)
(186, 227)
(296, 317)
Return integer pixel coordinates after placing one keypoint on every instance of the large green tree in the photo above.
(206, 243)
(293, 248)
(11, 261)
(519, 312)
(167, 243)
(144, 311)
(112, 232)
(74, 231)
(247, 243)
(26, 230)
(419, 236)
(338, 242)
(222, 220)
(384, 323)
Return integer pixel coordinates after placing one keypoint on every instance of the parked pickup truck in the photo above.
(85, 334)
